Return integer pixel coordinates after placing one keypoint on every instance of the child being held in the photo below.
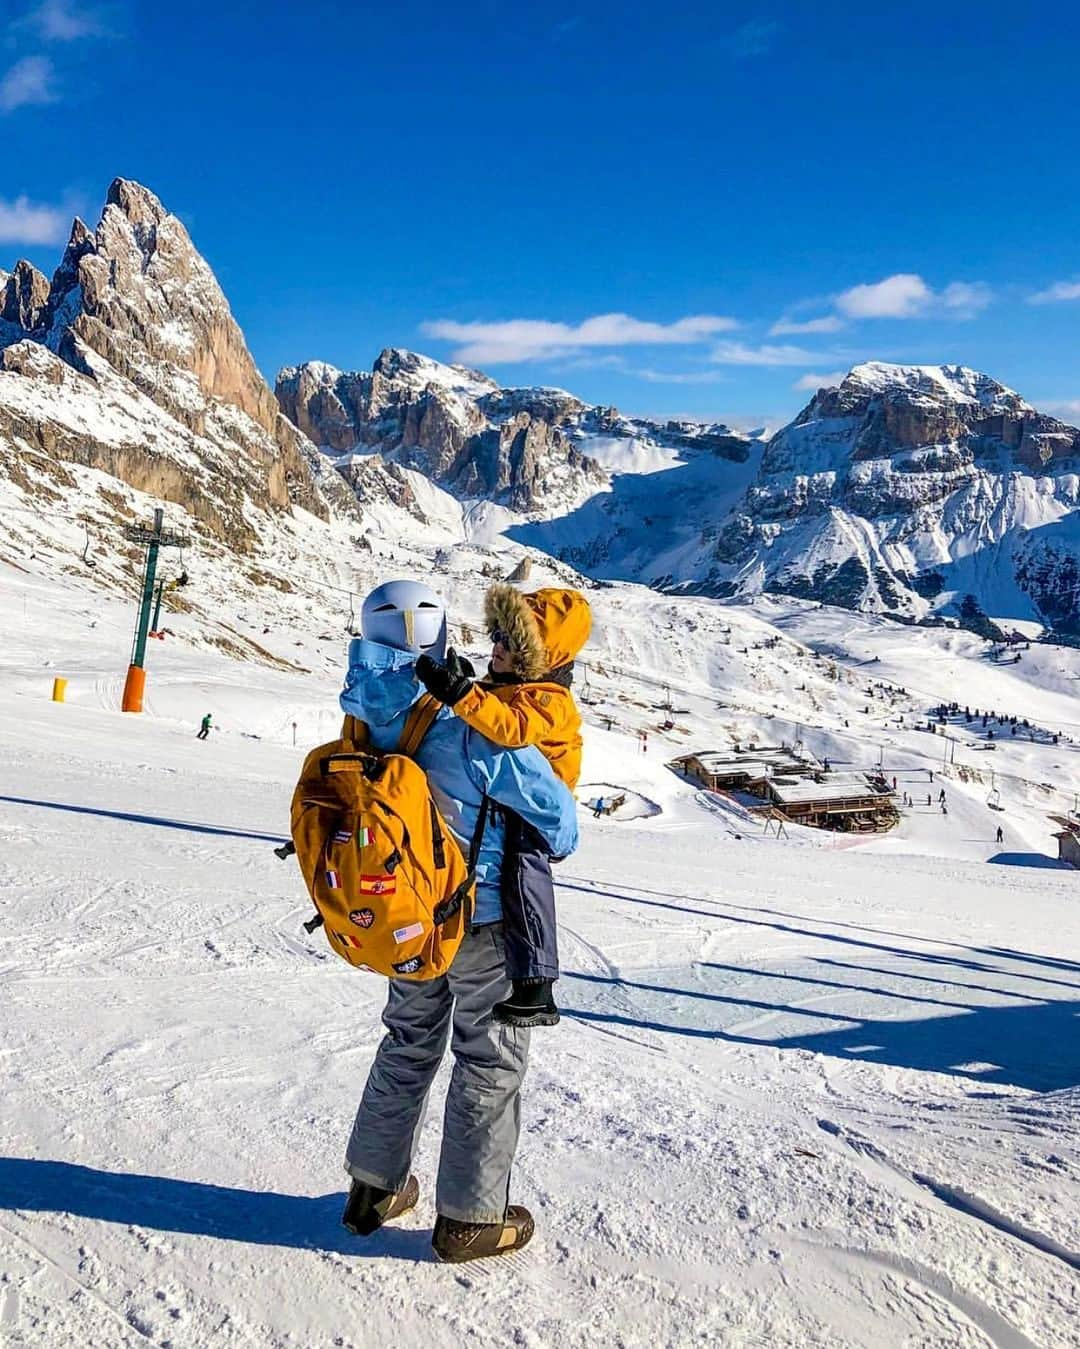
(525, 699)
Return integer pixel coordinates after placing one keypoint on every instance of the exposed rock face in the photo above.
(130, 362)
(23, 297)
(452, 424)
(906, 488)
(137, 292)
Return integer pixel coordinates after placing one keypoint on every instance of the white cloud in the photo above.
(1067, 411)
(1060, 290)
(811, 382)
(23, 222)
(831, 323)
(27, 82)
(682, 376)
(965, 299)
(537, 339)
(738, 353)
(902, 296)
(906, 295)
(62, 21)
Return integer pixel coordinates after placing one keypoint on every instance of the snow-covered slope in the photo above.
(816, 1092)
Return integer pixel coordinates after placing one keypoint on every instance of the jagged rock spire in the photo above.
(23, 297)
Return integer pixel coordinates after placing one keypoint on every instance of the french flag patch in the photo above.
(333, 880)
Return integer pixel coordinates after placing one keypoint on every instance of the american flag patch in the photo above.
(378, 885)
(347, 939)
(342, 835)
(404, 934)
(333, 880)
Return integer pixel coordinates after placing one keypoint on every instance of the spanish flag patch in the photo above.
(378, 885)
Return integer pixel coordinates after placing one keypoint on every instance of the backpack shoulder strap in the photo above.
(352, 728)
(418, 723)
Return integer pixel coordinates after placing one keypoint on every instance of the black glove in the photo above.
(450, 682)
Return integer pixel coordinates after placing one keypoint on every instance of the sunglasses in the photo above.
(501, 638)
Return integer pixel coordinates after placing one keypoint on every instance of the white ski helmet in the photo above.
(407, 616)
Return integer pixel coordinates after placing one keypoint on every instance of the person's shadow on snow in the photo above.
(199, 1209)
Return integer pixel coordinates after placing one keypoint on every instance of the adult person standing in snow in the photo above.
(204, 728)
(399, 621)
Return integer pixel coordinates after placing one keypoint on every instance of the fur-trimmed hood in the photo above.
(547, 628)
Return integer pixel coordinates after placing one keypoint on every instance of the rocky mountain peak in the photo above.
(133, 303)
(410, 369)
(453, 424)
(937, 383)
(137, 203)
(24, 294)
(891, 491)
(138, 293)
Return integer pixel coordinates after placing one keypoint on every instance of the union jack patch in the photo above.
(378, 885)
(333, 880)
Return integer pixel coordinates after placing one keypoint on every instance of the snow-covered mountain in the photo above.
(130, 363)
(906, 489)
(454, 425)
(539, 452)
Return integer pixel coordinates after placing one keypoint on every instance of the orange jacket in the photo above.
(540, 714)
(547, 629)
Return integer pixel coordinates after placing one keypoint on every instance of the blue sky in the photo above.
(682, 208)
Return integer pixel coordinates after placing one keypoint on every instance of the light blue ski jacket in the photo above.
(462, 766)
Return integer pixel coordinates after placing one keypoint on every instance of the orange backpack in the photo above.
(386, 875)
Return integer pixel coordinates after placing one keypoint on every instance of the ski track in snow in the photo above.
(803, 1094)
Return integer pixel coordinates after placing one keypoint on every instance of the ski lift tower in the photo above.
(153, 539)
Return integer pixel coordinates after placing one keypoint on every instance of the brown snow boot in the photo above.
(368, 1207)
(455, 1242)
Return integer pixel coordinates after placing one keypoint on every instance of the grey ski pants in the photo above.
(482, 1119)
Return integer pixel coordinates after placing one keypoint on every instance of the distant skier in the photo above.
(941, 796)
(204, 728)
(944, 808)
(928, 801)
(1000, 834)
